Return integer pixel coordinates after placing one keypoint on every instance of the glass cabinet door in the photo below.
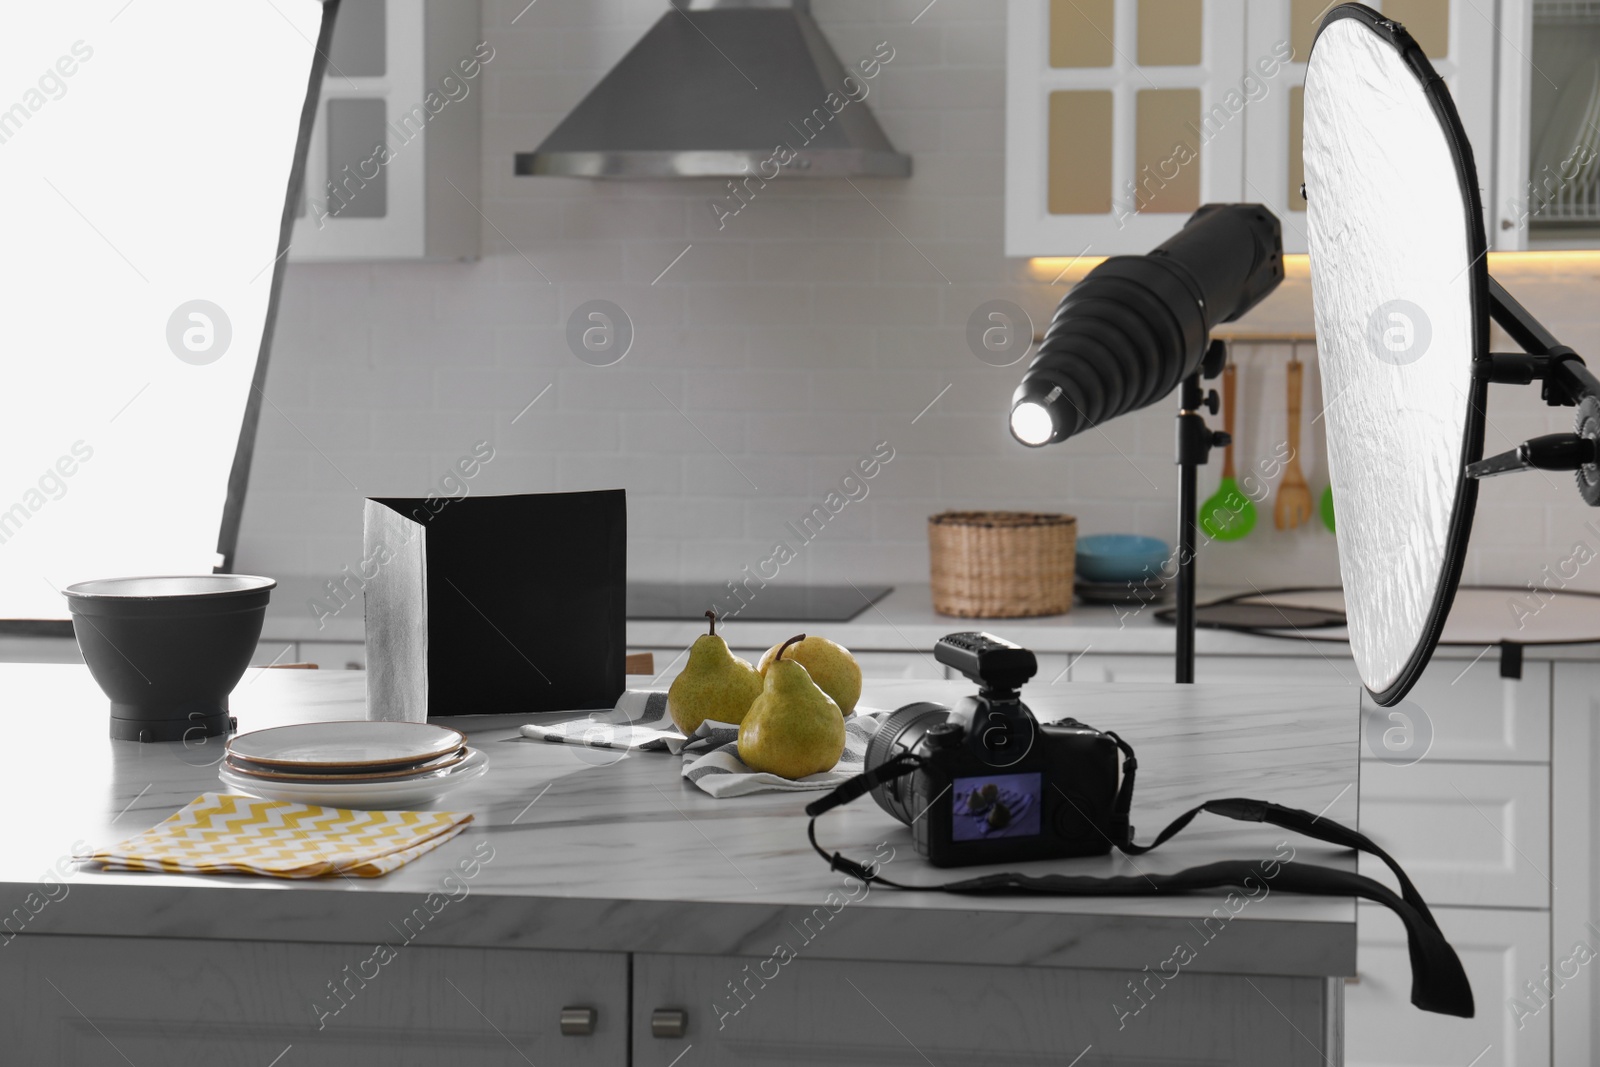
(1550, 125)
(1122, 117)
(1459, 41)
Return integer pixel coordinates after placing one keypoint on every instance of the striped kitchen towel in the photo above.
(640, 723)
(223, 833)
(711, 760)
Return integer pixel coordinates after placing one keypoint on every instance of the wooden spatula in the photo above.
(1293, 506)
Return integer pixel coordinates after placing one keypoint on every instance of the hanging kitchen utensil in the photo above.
(1293, 506)
(1228, 514)
(1326, 507)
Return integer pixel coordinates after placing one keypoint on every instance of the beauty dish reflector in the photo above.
(1400, 286)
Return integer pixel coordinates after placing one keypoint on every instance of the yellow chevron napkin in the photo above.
(223, 833)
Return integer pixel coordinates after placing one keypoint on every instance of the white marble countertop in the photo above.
(905, 621)
(902, 621)
(625, 856)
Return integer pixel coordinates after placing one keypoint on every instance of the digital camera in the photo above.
(994, 785)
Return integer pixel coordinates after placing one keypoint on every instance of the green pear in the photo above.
(830, 665)
(793, 729)
(715, 684)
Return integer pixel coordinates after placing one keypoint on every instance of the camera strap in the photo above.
(1438, 981)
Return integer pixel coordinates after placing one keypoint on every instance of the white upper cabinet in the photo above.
(1122, 117)
(1458, 37)
(392, 169)
(1548, 178)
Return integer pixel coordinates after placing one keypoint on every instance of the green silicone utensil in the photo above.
(1327, 507)
(1228, 514)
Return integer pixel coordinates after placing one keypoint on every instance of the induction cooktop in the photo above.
(687, 601)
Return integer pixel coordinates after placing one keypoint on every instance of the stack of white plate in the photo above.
(352, 764)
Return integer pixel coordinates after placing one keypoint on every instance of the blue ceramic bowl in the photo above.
(1117, 557)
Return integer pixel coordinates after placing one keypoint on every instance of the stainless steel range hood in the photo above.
(724, 88)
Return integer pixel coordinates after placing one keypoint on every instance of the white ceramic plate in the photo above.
(385, 794)
(343, 774)
(353, 743)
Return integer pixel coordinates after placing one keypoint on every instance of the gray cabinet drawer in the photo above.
(743, 1012)
(88, 1002)
(1500, 951)
(1469, 712)
(1461, 709)
(1466, 833)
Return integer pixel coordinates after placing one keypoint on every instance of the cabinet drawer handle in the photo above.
(577, 1022)
(668, 1022)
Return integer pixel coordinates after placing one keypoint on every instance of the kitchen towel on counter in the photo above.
(711, 760)
(640, 723)
(223, 833)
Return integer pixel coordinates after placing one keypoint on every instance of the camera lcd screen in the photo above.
(996, 805)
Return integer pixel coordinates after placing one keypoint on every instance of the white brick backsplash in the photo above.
(806, 433)
(374, 473)
(276, 556)
(746, 390)
(712, 437)
(751, 305)
(685, 518)
(498, 301)
(425, 343)
(342, 388)
(450, 432)
(646, 475)
(519, 472)
(573, 267)
(778, 477)
(550, 432)
(880, 209)
(813, 323)
(804, 262)
(584, 388)
(982, 45)
(287, 429)
(650, 307)
(823, 347)
(875, 390)
(679, 263)
(769, 215)
(627, 220)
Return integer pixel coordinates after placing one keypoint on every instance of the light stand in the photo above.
(1138, 327)
(1195, 442)
(1567, 383)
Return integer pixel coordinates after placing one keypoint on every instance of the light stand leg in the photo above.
(1187, 508)
(1195, 441)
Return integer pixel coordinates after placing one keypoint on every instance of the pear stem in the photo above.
(785, 646)
(713, 617)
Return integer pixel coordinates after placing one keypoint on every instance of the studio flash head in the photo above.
(1136, 326)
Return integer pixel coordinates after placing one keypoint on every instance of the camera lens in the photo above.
(901, 732)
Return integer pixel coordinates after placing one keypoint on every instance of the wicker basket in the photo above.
(1001, 564)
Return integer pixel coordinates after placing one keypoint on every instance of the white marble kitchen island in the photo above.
(614, 886)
